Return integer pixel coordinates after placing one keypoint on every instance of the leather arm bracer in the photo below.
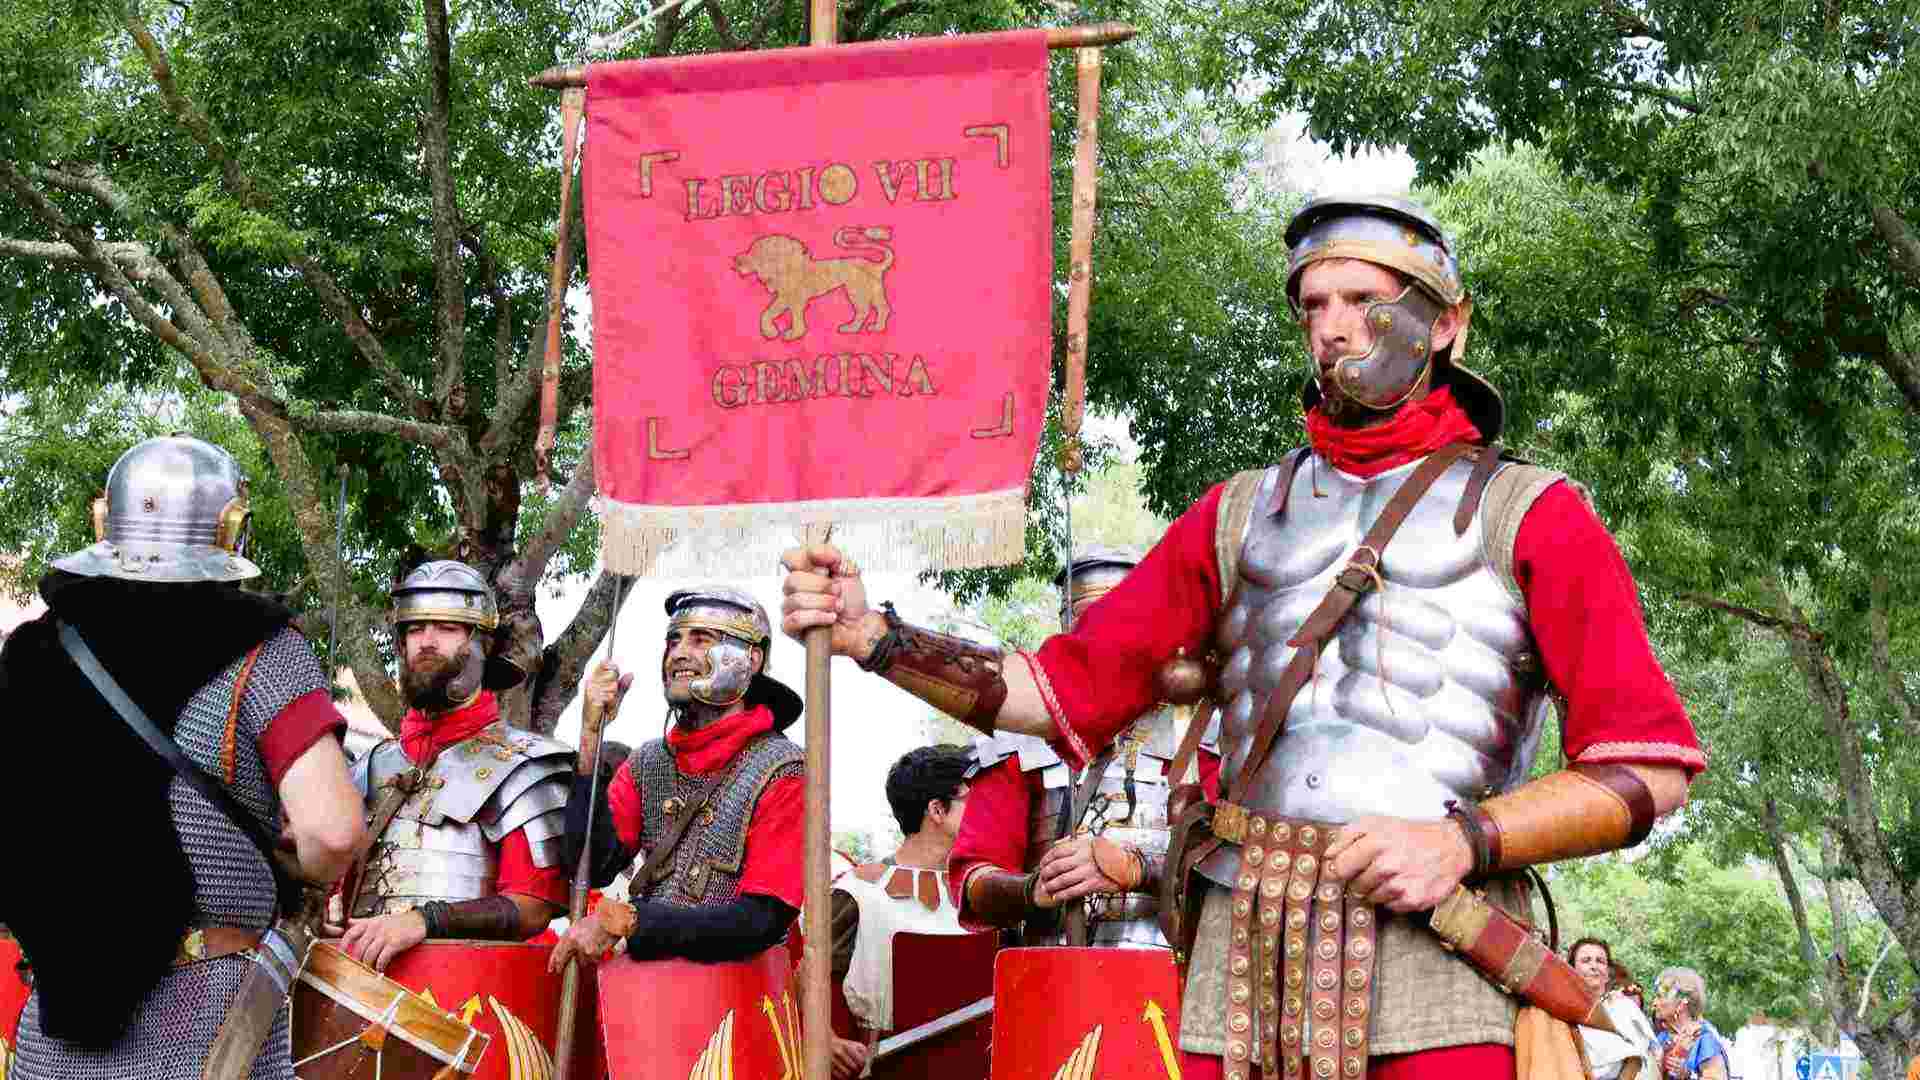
(961, 678)
(1581, 810)
(1000, 898)
(490, 918)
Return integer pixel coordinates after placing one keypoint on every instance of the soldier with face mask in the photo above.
(1391, 611)
(718, 804)
(474, 850)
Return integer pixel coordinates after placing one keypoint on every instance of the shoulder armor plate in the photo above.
(468, 775)
(384, 761)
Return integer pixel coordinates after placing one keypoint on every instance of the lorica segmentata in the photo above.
(444, 843)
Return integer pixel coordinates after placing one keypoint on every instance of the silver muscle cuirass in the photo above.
(444, 843)
(1429, 689)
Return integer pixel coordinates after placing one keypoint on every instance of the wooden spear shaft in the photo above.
(816, 964)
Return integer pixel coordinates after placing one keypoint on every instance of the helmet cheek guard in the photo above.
(1388, 373)
(729, 672)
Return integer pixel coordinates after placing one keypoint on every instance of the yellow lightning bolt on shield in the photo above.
(470, 1010)
(1157, 1017)
(787, 1070)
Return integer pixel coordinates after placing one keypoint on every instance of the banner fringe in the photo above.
(960, 532)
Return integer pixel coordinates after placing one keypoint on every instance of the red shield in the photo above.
(13, 998)
(1111, 1013)
(676, 1019)
(504, 990)
(934, 974)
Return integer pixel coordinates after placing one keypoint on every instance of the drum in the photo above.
(351, 1021)
(14, 991)
(1111, 1013)
(675, 1019)
(504, 991)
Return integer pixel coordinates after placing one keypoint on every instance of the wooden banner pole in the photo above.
(816, 964)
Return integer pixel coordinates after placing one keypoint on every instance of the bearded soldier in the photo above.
(474, 850)
(717, 805)
(1393, 607)
(1007, 869)
(136, 980)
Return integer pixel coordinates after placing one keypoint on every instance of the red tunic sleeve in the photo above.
(1585, 615)
(519, 875)
(993, 831)
(623, 804)
(1098, 677)
(305, 721)
(775, 857)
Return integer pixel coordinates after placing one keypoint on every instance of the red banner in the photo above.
(821, 296)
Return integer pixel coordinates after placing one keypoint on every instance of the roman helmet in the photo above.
(174, 510)
(742, 626)
(453, 592)
(1090, 574)
(1401, 235)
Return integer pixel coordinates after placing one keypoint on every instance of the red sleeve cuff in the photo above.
(305, 721)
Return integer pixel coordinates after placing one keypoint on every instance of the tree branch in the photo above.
(721, 26)
(1790, 882)
(1881, 639)
(878, 25)
(1902, 239)
(450, 316)
(763, 24)
(568, 655)
(565, 514)
(212, 296)
(1628, 23)
(133, 254)
(1755, 616)
(197, 350)
(321, 282)
(346, 421)
(1677, 100)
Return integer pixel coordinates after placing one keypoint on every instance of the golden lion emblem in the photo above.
(796, 279)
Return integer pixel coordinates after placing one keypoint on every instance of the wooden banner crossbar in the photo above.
(1091, 35)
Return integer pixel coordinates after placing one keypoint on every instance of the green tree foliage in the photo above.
(323, 237)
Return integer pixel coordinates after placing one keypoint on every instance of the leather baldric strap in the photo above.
(1477, 480)
(664, 849)
(397, 791)
(213, 942)
(230, 742)
(1361, 575)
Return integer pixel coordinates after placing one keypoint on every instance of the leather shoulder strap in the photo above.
(1361, 574)
(671, 839)
(167, 750)
(1230, 527)
(1509, 495)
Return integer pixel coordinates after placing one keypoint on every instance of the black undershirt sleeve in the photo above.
(735, 930)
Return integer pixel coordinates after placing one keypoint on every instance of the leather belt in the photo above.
(1297, 936)
(213, 942)
(1121, 907)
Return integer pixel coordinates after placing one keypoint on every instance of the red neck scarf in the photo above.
(708, 750)
(423, 736)
(1416, 430)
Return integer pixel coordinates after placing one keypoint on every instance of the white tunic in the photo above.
(1607, 1052)
(869, 982)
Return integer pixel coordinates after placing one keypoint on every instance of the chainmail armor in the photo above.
(170, 1036)
(706, 866)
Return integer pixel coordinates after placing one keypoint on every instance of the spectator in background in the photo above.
(1690, 1048)
(1610, 1056)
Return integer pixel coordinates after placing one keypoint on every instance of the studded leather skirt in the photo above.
(1300, 960)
